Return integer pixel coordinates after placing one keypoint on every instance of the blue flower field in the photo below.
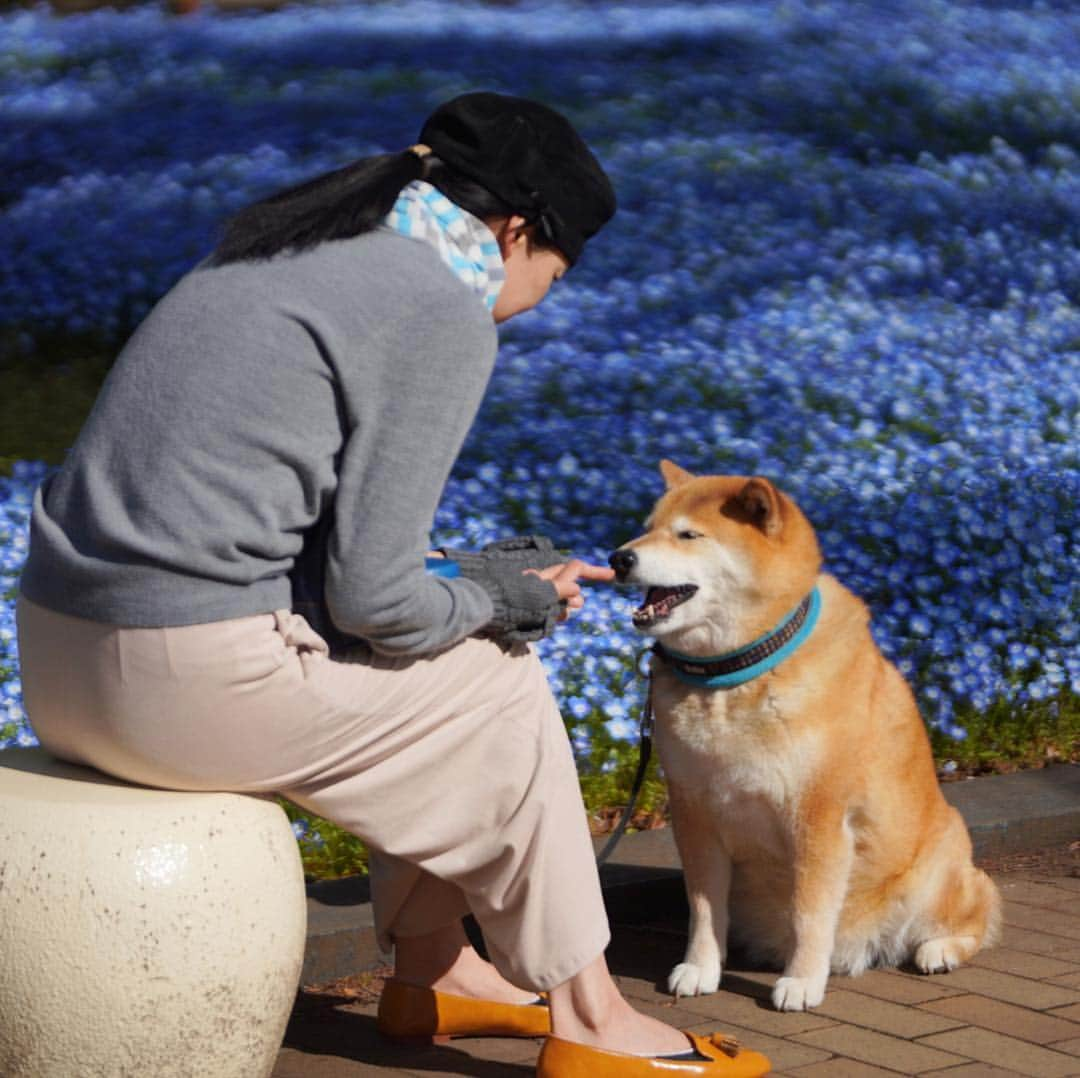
(847, 257)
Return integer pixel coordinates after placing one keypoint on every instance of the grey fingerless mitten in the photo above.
(526, 607)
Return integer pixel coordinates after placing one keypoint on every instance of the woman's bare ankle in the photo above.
(423, 960)
(590, 1009)
(445, 961)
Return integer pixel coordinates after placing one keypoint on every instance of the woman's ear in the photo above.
(509, 231)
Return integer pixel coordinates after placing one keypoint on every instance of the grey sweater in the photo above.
(252, 398)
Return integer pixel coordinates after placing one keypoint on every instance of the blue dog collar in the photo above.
(753, 660)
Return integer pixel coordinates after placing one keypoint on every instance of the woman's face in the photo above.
(530, 270)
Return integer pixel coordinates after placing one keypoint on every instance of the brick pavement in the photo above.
(1014, 1010)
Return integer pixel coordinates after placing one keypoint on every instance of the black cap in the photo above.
(530, 157)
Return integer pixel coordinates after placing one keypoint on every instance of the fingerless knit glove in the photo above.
(526, 607)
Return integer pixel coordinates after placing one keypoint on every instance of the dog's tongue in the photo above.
(659, 602)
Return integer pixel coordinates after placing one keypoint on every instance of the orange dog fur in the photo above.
(805, 804)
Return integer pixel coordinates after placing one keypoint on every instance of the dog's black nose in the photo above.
(622, 561)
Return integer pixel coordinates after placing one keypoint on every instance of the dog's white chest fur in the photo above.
(741, 768)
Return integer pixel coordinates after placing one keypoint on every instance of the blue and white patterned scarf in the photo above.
(463, 241)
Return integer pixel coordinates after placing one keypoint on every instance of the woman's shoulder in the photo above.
(379, 275)
(406, 283)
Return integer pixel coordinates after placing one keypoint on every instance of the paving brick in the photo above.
(1026, 939)
(1056, 922)
(881, 1050)
(1071, 1048)
(1036, 892)
(895, 986)
(752, 1012)
(1009, 1052)
(1067, 980)
(974, 1070)
(1004, 986)
(1022, 963)
(495, 1049)
(1020, 1022)
(785, 1055)
(840, 1068)
(879, 1014)
(488, 1069)
(640, 987)
(676, 1014)
(1069, 883)
(478, 1067)
(293, 1064)
(736, 976)
(1072, 1013)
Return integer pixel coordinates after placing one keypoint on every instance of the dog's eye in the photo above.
(689, 534)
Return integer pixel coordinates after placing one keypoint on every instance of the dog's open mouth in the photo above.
(659, 603)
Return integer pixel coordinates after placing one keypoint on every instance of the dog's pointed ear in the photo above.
(759, 503)
(673, 475)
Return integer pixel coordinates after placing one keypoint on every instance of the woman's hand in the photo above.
(565, 577)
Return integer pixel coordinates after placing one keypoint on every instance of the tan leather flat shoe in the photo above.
(720, 1057)
(408, 1012)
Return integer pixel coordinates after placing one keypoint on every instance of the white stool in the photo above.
(143, 933)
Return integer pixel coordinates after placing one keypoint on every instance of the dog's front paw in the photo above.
(944, 953)
(688, 979)
(797, 993)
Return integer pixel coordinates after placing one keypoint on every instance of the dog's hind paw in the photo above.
(797, 993)
(944, 953)
(688, 979)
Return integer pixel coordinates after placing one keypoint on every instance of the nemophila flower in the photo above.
(1055, 676)
(621, 729)
(867, 294)
(1039, 689)
(299, 829)
(578, 707)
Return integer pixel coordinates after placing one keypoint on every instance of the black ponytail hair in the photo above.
(346, 202)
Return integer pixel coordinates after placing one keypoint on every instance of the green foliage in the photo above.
(43, 405)
(606, 792)
(327, 851)
(1006, 737)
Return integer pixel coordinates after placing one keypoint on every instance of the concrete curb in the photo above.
(1023, 811)
(1004, 813)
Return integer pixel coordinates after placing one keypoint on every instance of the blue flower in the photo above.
(880, 314)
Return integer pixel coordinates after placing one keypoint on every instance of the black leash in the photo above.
(645, 729)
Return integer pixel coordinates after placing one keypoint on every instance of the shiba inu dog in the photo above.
(804, 800)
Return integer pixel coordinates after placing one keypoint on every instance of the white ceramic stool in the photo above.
(143, 933)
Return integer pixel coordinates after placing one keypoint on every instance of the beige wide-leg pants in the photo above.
(454, 768)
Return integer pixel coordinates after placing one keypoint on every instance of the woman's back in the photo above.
(216, 440)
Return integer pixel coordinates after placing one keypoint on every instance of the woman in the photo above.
(274, 439)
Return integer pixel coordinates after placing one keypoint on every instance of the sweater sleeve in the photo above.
(407, 423)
